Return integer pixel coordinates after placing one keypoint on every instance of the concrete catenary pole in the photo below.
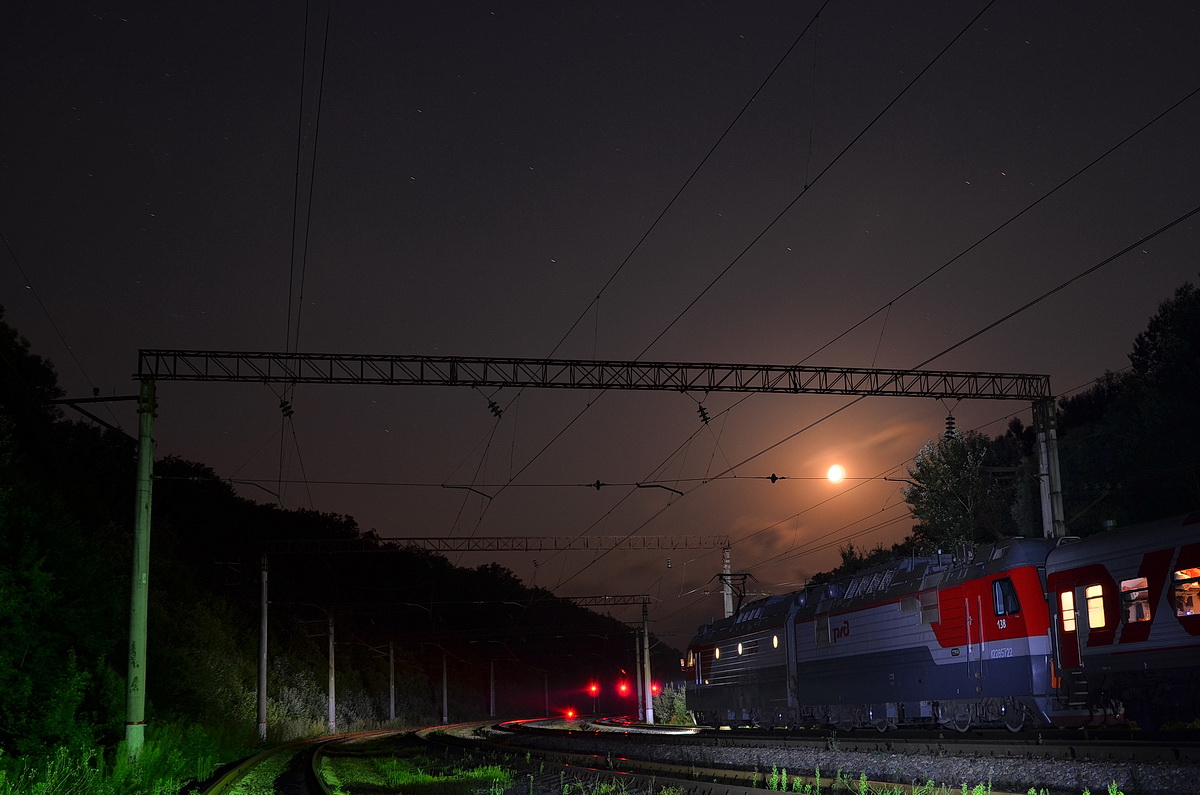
(639, 691)
(445, 692)
(262, 656)
(491, 688)
(727, 582)
(646, 664)
(391, 680)
(332, 683)
(1049, 478)
(135, 694)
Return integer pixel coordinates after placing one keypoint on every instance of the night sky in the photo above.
(487, 179)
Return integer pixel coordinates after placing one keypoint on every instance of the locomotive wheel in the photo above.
(959, 719)
(1014, 718)
(876, 715)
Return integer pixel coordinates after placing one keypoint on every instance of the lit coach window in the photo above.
(1066, 600)
(1187, 592)
(1095, 605)
(1135, 600)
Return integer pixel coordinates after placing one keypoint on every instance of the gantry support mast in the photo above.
(333, 368)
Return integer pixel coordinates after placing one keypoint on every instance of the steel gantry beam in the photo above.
(496, 544)
(340, 368)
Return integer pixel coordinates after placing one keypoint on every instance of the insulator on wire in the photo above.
(286, 408)
(703, 412)
(951, 431)
(494, 407)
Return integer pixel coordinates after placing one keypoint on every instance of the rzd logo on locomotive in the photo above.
(841, 632)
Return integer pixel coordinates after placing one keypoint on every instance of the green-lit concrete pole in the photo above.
(332, 682)
(135, 700)
(262, 654)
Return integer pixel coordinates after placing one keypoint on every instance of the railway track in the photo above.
(1157, 763)
(595, 757)
(291, 769)
(552, 757)
(1120, 745)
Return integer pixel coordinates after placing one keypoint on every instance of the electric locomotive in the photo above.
(741, 667)
(922, 640)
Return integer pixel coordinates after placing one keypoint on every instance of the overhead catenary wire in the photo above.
(53, 324)
(594, 302)
(800, 195)
(993, 232)
(1086, 272)
(292, 337)
(787, 208)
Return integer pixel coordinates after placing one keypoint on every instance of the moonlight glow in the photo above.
(836, 473)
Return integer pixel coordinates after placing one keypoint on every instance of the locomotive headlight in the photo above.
(739, 648)
(775, 641)
(716, 652)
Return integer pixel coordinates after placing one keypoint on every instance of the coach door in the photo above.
(1088, 608)
(1066, 626)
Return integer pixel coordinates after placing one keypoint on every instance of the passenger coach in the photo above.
(1126, 607)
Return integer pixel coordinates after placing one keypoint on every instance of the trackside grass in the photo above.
(352, 775)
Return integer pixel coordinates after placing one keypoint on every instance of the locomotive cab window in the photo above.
(1135, 600)
(1187, 592)
(1004, 598)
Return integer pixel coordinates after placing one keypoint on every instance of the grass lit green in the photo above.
(351, 774)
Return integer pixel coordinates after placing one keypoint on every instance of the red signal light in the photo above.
(594, 689)
(623, 688)
(654, 688)
(570, 714)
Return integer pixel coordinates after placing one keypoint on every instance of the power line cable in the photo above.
(688, 181)
(807, 186)
(50, 318)
(653, 225)
(312, 174)
(293, 340)
(296, 179)
(815, 179)
(936, 356)
(997, 229)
